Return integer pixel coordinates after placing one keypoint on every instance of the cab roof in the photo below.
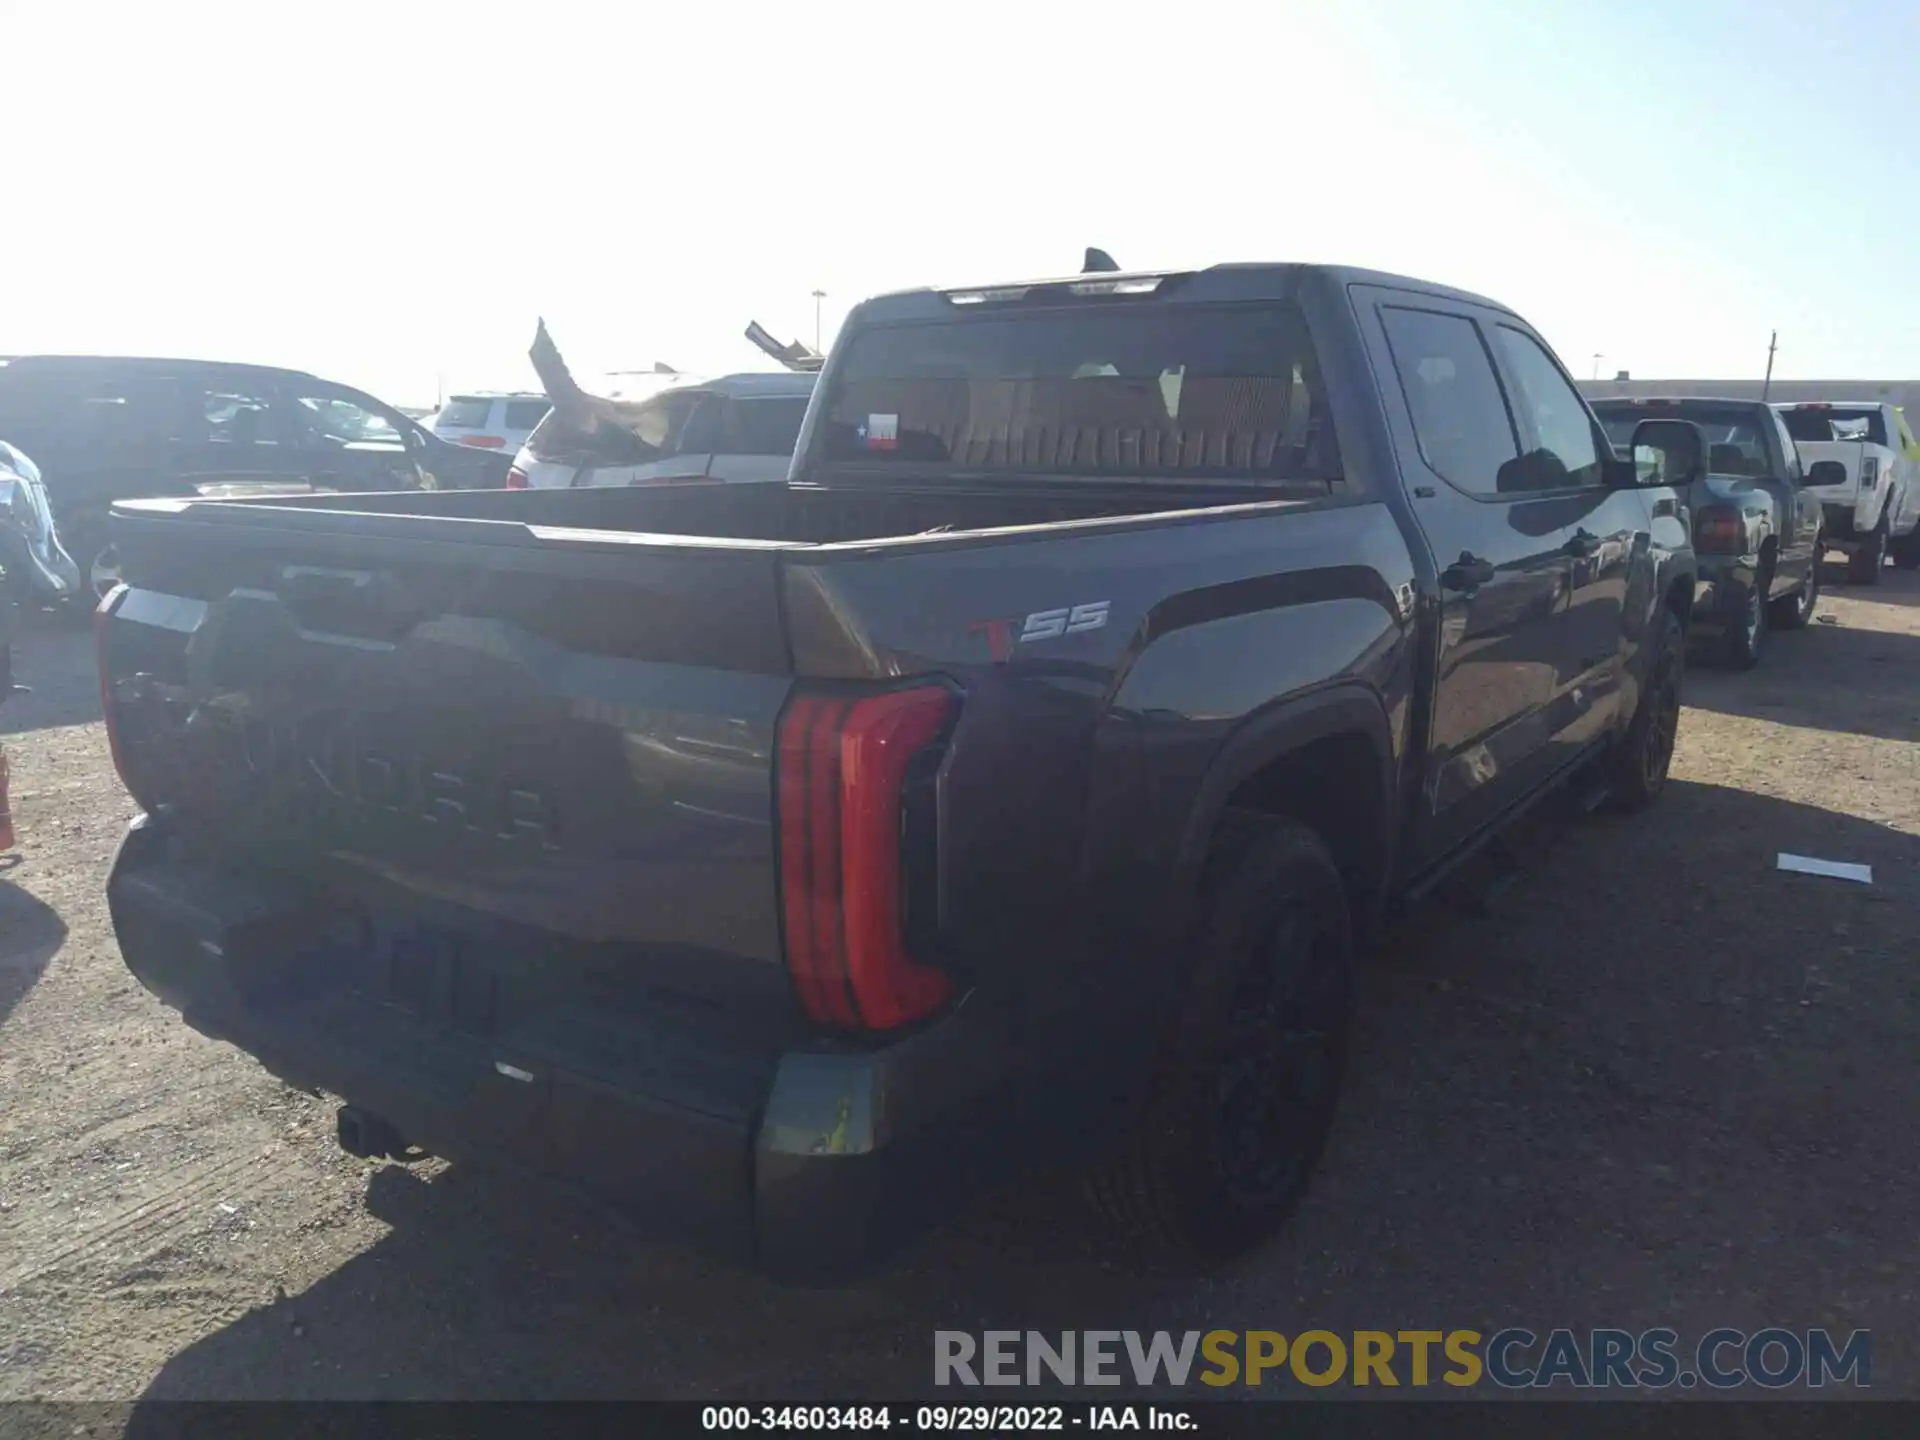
(144, 362)
(1230, 281)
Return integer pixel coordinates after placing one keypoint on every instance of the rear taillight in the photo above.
(851, 774)
(1869, 471)
(484, 442)
(516, 479)
(1719, 530)
(102, 617)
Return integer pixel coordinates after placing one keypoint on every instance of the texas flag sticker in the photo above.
(882, 432)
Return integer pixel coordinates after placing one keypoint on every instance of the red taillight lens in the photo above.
(484, 442)
(516, 479)
(1869, 471)
(1718, 530)
(844, 773)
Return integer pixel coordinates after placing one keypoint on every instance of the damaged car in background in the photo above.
(662, 427)
(106, 428)
(1758, 529)
(35, 570)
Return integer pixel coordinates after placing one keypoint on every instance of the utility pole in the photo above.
(1766, 386)
(1596, 364)
(818, 296)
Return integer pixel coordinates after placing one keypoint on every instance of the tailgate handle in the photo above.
(350, 602)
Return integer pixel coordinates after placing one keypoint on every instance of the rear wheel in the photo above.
(1866, 562)
(1793, 612)
(1638, 769)
(1747, 632)
(1906, 550)
(1254, 1060)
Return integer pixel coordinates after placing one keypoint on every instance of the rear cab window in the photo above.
(1222, 394)
(1818, 423)
(465, 412)
(525, 414)
(1736, 435)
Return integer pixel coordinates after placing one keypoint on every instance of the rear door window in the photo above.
(1217, 393)
(329, 418)
(1790, 453)
(238, 415)
(1459, 415)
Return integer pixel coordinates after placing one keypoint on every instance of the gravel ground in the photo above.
(1660, 1084)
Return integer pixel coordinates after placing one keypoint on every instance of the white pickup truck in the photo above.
(1863, 465)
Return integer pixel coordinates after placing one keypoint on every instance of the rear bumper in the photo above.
(1721, 589)
(812, 1164)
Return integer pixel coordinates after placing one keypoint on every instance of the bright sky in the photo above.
(390, 195)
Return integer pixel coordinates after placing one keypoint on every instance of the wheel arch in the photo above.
(1327, 760)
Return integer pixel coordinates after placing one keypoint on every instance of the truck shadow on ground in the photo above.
(1656, 1081)
(1897, 587)
(30, 935)
(1827, 677)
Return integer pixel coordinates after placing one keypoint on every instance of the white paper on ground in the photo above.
(1833, 869)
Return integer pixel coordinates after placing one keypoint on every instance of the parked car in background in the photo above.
(489, 421)
(1757, 527)
(106, 428)
(669, 429)
(1013, 788)
(1861, 466)
(37, 569)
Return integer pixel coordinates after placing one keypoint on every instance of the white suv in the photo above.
(490, 421)
(669, 429)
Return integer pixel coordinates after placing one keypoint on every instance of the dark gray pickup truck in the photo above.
(1758, 530)
(1012, 787)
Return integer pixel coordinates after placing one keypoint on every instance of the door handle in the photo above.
(1467, 573)
(1582, 544)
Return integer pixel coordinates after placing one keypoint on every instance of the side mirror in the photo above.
(1668, 452)
(1826, 472)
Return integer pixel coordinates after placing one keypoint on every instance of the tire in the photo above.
(1252, 1066)
(1866, 563)
(1906, 550)
(1746, 636)
(1637, 770)
(1795, 611)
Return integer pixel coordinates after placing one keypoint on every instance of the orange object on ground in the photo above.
(6, 815)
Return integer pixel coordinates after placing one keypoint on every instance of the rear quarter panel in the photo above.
(1082, 751)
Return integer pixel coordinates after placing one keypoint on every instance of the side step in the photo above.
(1476, 886)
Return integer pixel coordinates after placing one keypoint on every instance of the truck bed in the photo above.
(444, 783)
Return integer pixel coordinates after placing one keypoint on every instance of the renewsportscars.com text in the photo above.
(1514, 1358)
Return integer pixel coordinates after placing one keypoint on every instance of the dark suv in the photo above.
(106, 429)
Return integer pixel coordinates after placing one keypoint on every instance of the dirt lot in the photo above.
(1662, 1084)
